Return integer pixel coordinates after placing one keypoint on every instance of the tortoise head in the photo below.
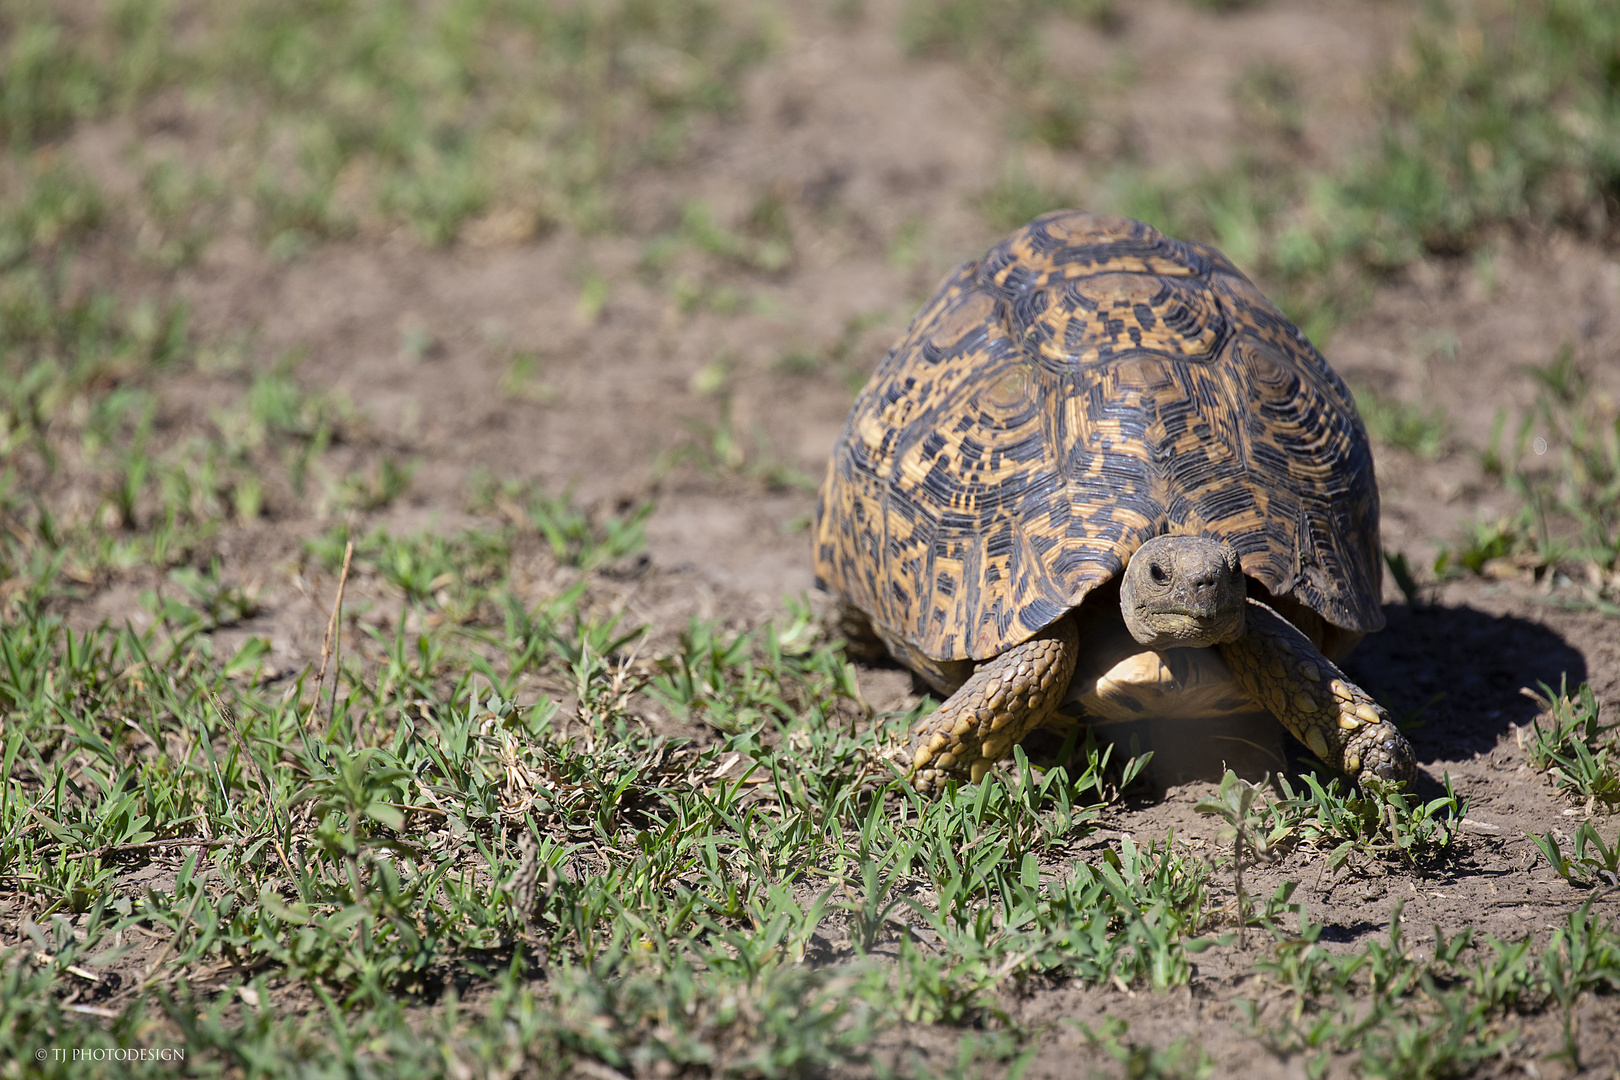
(1183, 592)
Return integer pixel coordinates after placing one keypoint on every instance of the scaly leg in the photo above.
(1341, 723)
(1005, 698)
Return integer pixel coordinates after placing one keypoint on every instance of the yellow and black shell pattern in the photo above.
(1089, 384)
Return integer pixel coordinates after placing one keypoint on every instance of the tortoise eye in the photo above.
(1160, 576)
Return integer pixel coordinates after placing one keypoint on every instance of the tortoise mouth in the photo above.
(1209, 614)
(1190, 628)
(1164, 625)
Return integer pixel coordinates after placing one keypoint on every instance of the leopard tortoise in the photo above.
(1100, 464)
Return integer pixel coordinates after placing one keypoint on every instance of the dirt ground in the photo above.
(878, 160)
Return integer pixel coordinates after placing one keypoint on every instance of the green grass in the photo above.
(1507, 115)
(1493, 115)
(359, 118)
(1016, 198)
(1591, 862)
(1369, 831)
(54, 73)
(575, 536)
(1440, 1012)
(719, 451)
(840, 356)
(371, 848)
(459, 844)
(1579, 754)
(78, 409)
(1403, 424)
(1561, 463)
(760, 901)
(1004, 40)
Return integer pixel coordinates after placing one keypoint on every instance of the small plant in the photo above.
(838, 355)
(57, 207)
(222, 604)
(278, 413)
(713, 678)
(375, 488)
(1403, 425)
(1374, 821)
(1401, 570)
(1597, 869)
(719, 451)
(1267, 95)
(1140, 1061)
(1002, 39)
(523, 380)
(577, 537)
(323, 873)
(764, 244)
(1252, 830)
(1017, 197)
(1563, 470)
(1578, 753)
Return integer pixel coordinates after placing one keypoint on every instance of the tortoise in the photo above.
(1099, 463)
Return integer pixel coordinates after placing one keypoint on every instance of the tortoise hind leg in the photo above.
(1278, 666)
(855, 627)
(1005, 698)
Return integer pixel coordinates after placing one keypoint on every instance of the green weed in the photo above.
(1438, 1011)
(523, 381)
(1016, 198)
(1141, 1061)
(717, 450)
(1503, 113)
(839, 355)
(468, 852)
(57, 207)
(374, 488)
(1247, 829)
(1349, 824)
(575, 536)
(53, 73)
(1403, 425)
(1580, 755)
(1267, 95)
(1492, 114)
(765, 243)
(1405, 579)
(1003, 39)
(1562, 466)
(480, 118)
(206, 602)
(1378, 821)
(1596, 868)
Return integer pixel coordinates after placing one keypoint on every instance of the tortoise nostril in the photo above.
(1158, 573)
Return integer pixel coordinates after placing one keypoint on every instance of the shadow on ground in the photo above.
(1453, 676)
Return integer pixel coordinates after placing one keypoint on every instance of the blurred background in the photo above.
(272, 269)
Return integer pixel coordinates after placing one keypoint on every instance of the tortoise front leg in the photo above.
(1341, 723)
(1005, 699)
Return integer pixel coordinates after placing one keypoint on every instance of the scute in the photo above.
(1089, 384)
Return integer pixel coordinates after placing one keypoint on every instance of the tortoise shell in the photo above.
(1089, 384)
